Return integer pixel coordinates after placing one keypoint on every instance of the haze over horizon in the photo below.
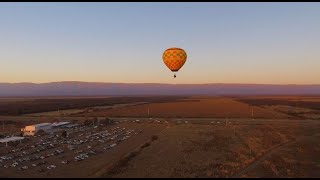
(237, 43)
(141, 89)
(171, 83)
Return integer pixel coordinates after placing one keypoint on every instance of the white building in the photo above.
(31, 130)
(11, 139)
(60, 124)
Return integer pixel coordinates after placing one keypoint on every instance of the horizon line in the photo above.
(158, 83)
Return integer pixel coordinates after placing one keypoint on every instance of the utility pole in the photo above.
(226, 119)
(296, 108)
(252, 112)
(59, 115)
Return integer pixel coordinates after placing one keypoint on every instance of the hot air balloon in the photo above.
(174, 59)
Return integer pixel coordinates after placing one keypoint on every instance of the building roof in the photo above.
(72, 125)
(60, 123)
(41, 124)
(11, 139)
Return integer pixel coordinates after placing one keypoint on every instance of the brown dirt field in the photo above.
(212, 107)
(297, 107)
(311, 99)
(22, 106)
(189, 150)
(298, 112)
(302, 101)
(282, 97)
(300, 160)
(70, 112)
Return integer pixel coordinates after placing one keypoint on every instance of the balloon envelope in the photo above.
(174, 58)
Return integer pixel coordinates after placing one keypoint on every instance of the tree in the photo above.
(154, 137)
(87, 122)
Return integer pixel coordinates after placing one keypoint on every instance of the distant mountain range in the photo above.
(71, 88)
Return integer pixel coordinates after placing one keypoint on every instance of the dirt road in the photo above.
(267, 155)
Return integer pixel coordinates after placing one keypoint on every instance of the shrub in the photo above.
(145, 145)
(154, 137)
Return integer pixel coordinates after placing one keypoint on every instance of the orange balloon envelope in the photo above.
(174, 58)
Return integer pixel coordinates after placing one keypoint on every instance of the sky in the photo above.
(261, 43)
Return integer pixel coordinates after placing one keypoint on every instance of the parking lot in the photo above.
(86, 149)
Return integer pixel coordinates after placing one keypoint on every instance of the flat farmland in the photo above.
(22, 106)
(301, 107)
(294, 101)
(202, 107)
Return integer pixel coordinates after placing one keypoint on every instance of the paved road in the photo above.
(222, 120)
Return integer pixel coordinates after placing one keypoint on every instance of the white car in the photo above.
(112, 145)
(51, 167)
(14, 164)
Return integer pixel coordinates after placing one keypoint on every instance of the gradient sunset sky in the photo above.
(263, 43)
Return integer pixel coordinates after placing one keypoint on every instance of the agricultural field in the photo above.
(301, 107)
(24, 106)
(69, 112)
(220, 107)
(283, 107)
(294, 101)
